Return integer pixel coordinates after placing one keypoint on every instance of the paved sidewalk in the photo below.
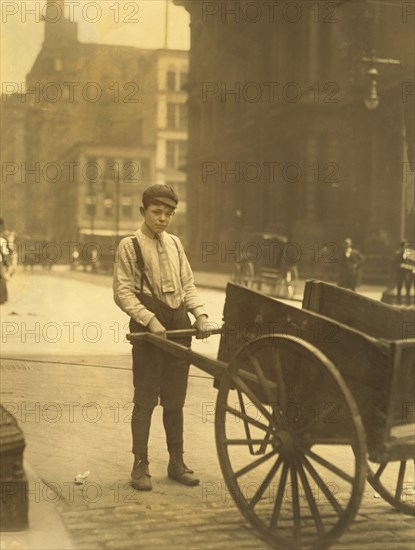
(46, 530)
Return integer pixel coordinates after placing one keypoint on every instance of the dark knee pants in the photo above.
(156, 373)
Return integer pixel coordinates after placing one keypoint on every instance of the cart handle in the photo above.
(172, 334)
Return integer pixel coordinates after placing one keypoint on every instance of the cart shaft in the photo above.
(213, 367)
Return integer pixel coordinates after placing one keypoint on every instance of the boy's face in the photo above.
(158, 216)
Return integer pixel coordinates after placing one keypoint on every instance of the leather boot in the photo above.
(140, 475)
(178, 470)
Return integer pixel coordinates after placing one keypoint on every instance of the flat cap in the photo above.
(162, 193)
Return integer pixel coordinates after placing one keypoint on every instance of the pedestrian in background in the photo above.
(350, 261)
(404, 267)
(4, 264)
(153, 284)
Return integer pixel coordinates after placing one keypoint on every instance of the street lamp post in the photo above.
(372, 98)
(372, 101)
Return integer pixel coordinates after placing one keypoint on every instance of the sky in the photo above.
(139, 23)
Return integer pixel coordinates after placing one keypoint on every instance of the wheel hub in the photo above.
(285, 443)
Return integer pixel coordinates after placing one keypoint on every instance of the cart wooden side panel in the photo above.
(354, 310)
(381, 321)
(364, 362)
(399, 441)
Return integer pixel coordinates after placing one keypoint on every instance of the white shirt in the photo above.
(127, 276)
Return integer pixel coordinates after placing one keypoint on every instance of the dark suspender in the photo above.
(141, 265)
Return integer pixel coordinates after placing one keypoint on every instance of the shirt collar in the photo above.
(145, 230)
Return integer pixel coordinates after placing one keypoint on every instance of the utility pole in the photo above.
(166, 25)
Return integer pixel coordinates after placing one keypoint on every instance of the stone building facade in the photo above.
(281, 138)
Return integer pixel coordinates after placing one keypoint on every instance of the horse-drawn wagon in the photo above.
(268, 262)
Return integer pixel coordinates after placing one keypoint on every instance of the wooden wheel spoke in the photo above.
(248, 419)
(247, 426)
(278, 501)
(320, 482)
(254, 464)
(323, 462)
(250, 394)
(243, 441)
(295, 502)
(401, 476)
(260, 373)
(265, 484)
(267, 385)
(380, 470)
(310, 499)
(282, 392)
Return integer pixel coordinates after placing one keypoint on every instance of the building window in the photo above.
(92, 170)
(127, 206)
(171, 116)
(108, 206)
(90, 205)
(182, 154)
(176, 116)
(171, 154)
(110, 169)
(171, 81)
(184, 79)
(176, 154)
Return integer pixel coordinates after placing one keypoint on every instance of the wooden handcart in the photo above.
(311, 403)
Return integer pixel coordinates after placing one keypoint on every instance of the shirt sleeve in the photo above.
(124, 284)
(191, 298)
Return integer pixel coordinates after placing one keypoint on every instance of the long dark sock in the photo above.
(173, 426)
(140, 428)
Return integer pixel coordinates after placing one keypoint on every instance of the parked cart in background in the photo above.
(311, 403)
(268, 264)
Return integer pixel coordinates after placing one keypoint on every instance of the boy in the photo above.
(153, 284)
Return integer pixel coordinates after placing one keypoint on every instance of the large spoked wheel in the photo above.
(281, 405)
(395, 483)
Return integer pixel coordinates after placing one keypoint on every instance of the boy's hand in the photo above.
(155, 327)
(202, 327)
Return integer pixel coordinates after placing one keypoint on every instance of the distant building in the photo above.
(97, 124)
(13, 157)
(280, 136)
(166, 95)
